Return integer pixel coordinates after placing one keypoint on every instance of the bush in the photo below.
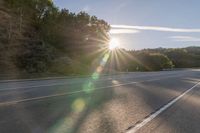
(34, 57)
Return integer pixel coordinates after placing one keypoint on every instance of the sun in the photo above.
(114, 43)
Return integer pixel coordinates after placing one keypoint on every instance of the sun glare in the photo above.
(114, 43)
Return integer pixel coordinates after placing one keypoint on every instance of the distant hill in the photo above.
(161, 58)
(181, 57)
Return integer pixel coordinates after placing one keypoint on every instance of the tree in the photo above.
(35, 57)
(69, 34)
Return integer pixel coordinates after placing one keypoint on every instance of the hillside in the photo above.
(181, 57)
(15, 31)
(159, 59)
(35, 37)
(6, 18)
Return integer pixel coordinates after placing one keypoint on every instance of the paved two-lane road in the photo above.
(161, 102)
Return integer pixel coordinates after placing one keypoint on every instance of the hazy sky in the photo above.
(145, 23)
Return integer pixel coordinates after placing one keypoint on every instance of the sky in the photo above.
(140, 24)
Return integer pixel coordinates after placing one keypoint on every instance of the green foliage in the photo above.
(180, 57)
(184, 58)
(69, 34)
(34, 57)
(74, 33)
(145, 61)
(156, 59)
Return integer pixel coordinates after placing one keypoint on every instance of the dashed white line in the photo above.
(56, 95)
(60, 84)
(74, 92)
(154, 115)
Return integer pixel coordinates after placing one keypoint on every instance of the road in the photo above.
(144, 102)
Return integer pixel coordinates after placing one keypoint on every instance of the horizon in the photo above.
(139, 25)
(162, 48)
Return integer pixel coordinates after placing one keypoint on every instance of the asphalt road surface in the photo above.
(146, 102)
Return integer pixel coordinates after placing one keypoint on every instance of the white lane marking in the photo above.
(154, 115)
(60, 84)
(62, 94)
(74, 92)
(105, 76)
(34, 86)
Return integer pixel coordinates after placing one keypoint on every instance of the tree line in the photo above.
(37, 37)
(42, 35)
(157, 59)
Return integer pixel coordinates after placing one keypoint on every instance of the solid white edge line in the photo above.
(154, 115)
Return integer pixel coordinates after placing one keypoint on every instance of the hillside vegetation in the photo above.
(37, 37)
(159, 59)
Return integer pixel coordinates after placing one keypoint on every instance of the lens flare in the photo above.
(78, 105)
(114, 43)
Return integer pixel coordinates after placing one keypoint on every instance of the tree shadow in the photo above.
(49, 115)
